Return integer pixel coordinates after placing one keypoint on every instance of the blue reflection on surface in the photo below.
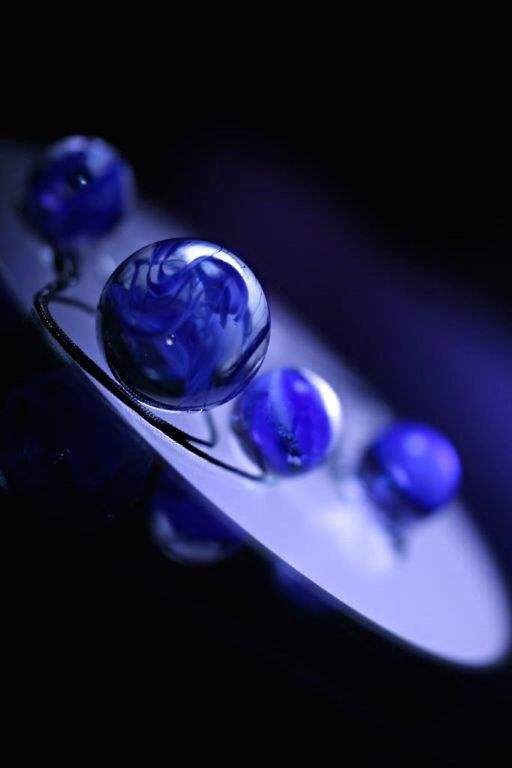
(184, 323)
(186, 529)
(60, 446)
(79, 188)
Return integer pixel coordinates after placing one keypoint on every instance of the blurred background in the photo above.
(381, 213)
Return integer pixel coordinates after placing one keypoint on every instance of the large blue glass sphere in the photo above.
(411, 470)
(184, 324)
(79, 189)
(288, 420)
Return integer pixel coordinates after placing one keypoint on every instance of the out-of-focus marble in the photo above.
(79, 188)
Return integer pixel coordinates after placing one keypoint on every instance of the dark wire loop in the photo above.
(90, 310)
(67, 277)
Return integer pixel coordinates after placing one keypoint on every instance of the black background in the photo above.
(416, 136)
(426, 158)
(431, 170)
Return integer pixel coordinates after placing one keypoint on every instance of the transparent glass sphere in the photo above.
(79, 188)
(288, 420)
(411, 470)
(184, 324)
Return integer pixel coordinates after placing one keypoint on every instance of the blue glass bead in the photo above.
(184, 324)
(288, 420)
(188, 531)
(411, 470)
(79, 189)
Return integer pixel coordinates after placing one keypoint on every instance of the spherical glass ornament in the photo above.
(79, 189)
(411, 470)
(288, 420)
(184, 324)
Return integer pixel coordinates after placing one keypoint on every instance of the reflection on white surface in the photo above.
(183, 549)
(443, 595)
(366, 543)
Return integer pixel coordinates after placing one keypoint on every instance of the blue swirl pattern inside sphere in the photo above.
(288, 420)
(411, 470)
(184, 324)
(79, 189)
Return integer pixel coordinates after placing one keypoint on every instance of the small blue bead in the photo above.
(79, 189)
(288, 420)
(184, 324)
(411, 470)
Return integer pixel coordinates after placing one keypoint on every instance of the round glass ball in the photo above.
(79, 188)
(288, 420)
(411, 470)
(184, 324)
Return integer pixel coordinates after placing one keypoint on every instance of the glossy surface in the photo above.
(411, 469)
(78, 189)
(288, 420)
(184, 324)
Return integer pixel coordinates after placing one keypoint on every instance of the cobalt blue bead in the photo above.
(184, 324)
(411, 469)
(79, 189)
(288, 420)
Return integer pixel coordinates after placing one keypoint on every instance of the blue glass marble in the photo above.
(288, 420)
(411, 470)
(79, 189)
(184, 324)
(188, 531)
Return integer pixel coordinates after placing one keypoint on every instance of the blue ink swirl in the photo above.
(184, 324)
